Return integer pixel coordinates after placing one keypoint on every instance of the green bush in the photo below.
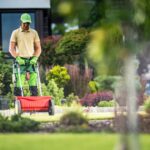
(59, 75)
(45, 91)
(71, 98)
(111, 103)
(73, 122)
(54, 91)
(93, 86)
(17, 124)
(73, 119)
(73, 42)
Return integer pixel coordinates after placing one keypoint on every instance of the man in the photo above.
(25, 47)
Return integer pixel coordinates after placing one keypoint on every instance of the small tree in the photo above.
(56, 92)
(59, 75)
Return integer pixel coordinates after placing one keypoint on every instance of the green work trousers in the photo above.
(21, 77)
(32, 80)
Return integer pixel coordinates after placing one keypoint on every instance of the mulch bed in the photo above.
(96, 126)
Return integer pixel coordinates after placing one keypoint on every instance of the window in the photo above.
(10, 22)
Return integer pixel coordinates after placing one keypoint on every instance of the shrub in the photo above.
(73, 118)
(93, 86)
(59, 75)
(54, 91)
(107, 103)
(73, 122)
(71, 98)
(17, 124)
(45, 90)
(93, 98)
(73, 42)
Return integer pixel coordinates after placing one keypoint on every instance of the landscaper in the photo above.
(25, 47)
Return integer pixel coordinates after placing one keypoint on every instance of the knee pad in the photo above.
(17, 91)
(34, 90)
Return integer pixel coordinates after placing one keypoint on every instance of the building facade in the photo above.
(10, 11)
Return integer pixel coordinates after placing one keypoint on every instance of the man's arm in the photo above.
(37, 47)
(12, 49)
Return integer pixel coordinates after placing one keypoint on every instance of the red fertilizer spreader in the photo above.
(34, 104)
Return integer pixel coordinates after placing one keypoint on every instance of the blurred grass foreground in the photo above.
(69, 141)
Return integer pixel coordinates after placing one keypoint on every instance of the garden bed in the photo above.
(107, 125)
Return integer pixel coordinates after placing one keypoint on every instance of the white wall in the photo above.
(12, 4)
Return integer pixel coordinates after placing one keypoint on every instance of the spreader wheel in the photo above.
(51, 110)
(17, 107)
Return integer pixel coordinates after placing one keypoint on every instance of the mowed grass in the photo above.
(44, 117)
(93, 141)
(57, 141)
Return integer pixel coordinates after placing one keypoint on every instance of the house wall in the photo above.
(23, 4)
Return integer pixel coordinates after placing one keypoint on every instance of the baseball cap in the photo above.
(25, 17)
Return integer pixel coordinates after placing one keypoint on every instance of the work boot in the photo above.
(33, 90)
(17, 91)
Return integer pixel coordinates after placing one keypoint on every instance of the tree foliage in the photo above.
(142, 17)
(73, 42)
(70, 12)
(104, 50)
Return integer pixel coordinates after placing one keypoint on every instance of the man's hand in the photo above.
(33, 60)
(20, 60)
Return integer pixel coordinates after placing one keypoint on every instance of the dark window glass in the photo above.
(10, 22)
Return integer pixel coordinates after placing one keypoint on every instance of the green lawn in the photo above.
(64, 141)
(46, 118)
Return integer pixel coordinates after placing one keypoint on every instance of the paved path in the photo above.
(8, 112)
(61, 110)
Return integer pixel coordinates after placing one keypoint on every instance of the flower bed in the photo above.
(93, 98)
